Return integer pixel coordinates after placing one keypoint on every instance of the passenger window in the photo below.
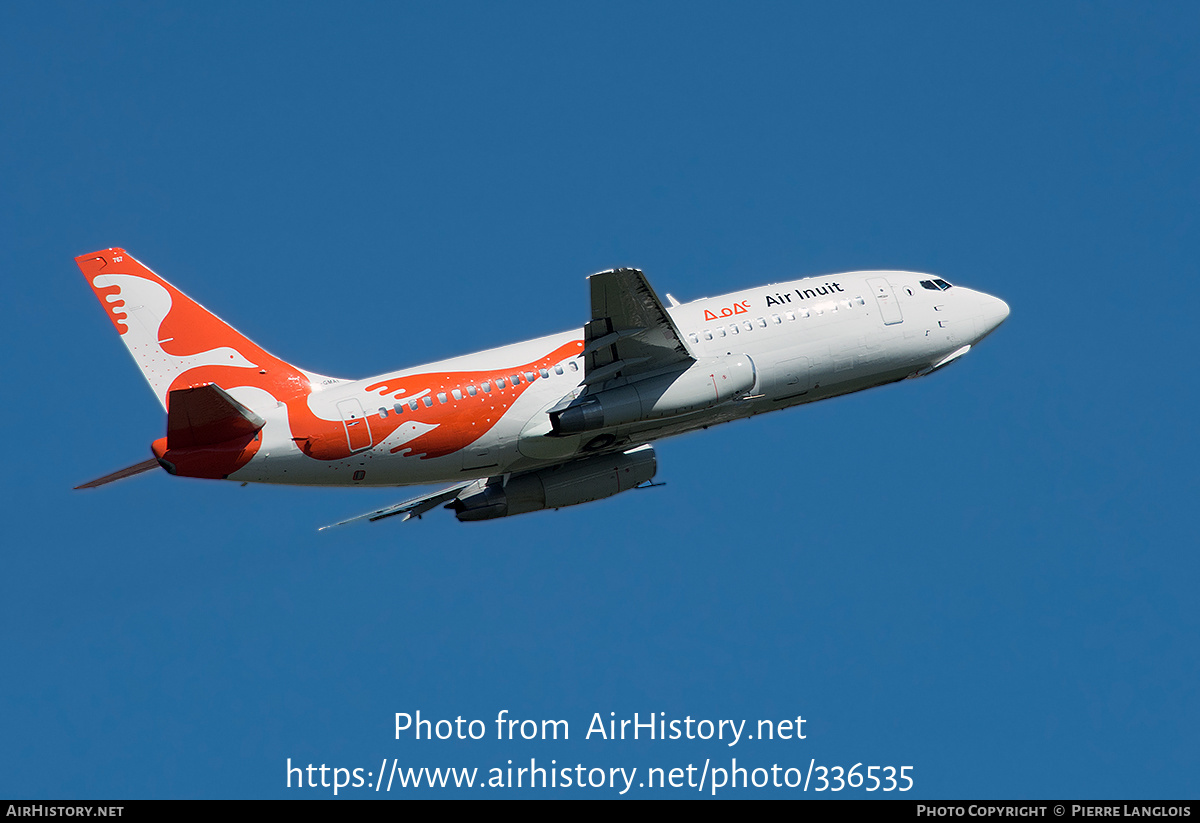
(529, 376)
(413, 405)
(543, 373)
(558, 370)
(861, 302)
(382, 412)
(456, 394)
(721, 331)
(500, 384)
(789, 315)
(471, 390)
(733, 329)
(428, 401)
(775, 317)
(574, 366)
(399, 407)
(441, 397)
(515, 379)
(746, 325)
(487, 387)
(695, 338)
(707, 334)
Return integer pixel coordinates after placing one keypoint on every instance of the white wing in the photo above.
(409, 508)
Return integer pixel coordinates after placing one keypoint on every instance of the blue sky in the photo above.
(988, 575)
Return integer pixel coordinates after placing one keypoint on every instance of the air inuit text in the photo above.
(709, 775)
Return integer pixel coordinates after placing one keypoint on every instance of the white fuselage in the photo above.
(808, 340)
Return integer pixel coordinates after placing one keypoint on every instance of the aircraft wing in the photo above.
(409, 508)
(630, 332)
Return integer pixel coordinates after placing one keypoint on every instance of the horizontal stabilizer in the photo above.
(130, 471)
(205, 416)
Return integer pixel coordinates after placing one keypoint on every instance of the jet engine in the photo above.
(708, 382)
(557, 486)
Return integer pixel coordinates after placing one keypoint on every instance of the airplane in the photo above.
(557, 421)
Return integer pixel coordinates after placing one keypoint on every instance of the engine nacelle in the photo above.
(708, 382)
(558, 486)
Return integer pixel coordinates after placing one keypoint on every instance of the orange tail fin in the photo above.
(176, 342)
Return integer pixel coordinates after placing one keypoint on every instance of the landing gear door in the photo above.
(791, 378)
(885, 298)
(358, 430)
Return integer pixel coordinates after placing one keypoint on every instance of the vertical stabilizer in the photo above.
(175, 341)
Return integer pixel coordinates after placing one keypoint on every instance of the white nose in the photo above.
(993, 312)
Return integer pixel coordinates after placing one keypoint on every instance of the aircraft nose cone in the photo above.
(994, 312)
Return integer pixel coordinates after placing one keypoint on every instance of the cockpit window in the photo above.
(935, 285)
(943, 284)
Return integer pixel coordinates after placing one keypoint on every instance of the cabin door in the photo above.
(885, 298)
(358, 430)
